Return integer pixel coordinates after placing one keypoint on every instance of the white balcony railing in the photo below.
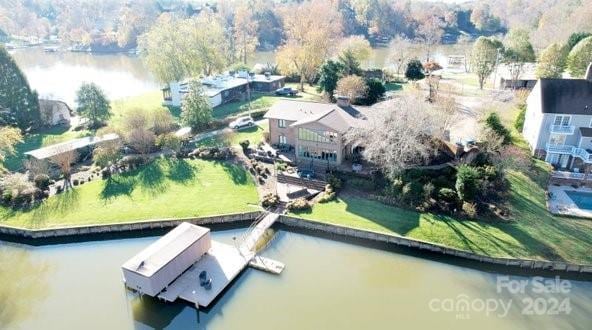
(581, 153)
(562, 129)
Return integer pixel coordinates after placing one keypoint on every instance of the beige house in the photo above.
(315, 131)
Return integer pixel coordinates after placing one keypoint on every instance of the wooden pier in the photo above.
(223, 263)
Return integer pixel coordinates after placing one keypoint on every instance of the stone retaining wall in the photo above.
(421, 245)
(122, 227)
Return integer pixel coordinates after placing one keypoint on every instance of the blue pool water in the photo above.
(582, 199)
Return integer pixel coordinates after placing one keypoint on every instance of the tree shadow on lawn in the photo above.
(58, 205)
(181, 171)
(152, 178)
(121, 185)
(237, 173)
(395, 219)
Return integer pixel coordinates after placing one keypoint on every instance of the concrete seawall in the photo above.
(421, 245)
(123, 227)
(294, 222)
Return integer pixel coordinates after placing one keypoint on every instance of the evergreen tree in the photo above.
(414, 70)
(93, 104)
(351, 65)
(375, 91)
(330, 72)
(196, 110)
(576, 37)
(19, 104)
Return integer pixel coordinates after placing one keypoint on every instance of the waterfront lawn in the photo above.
(258, 101)
(164, 189)
(535, 233)
(37, 140)
(147, 102)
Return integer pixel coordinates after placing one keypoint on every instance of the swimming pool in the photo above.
(582, 199)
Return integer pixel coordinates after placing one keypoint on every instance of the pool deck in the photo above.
(223, 263)
(561, 204)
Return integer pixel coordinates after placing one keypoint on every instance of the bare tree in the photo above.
(64, 161)
(399, 134)
(401, 51)
(352, 87)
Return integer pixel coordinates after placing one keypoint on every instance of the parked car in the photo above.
(286, 91)
(241, 122)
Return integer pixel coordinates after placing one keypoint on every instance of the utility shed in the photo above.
(155, 267)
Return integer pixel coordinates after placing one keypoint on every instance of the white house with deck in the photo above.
(558, 121)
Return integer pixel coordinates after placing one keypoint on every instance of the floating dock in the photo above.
(222, 263)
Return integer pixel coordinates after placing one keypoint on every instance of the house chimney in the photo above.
(588, 75)
(342, 101)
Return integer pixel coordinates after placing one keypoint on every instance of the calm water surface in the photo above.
(58, 75)
(326, 285)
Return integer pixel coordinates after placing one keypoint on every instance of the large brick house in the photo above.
(558, 121)
(314, 130)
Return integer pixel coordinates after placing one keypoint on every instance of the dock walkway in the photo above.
(223, 262)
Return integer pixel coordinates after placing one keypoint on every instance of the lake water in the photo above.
(326, 285)
(58, 75)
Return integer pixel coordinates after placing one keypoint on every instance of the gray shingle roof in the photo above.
(569, 96)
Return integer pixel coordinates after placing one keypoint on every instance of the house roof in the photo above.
(586, 131)
(150, 260)
(528, 72)
(327, 114)
(60, 148)
(569, 96)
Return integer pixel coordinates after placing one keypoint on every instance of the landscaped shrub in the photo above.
(41, 181)
(467, 182)
(132, 161)
(412, 193)
(428, 190)
(447, 195)
(519, 122)
(470, 209)
(494, 123)
(281, 166)
(169, 141)
(245, 145)
(270, 200)
(327, 197)
(335, 182)
(299, 205)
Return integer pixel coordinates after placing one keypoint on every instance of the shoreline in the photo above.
(39, 237)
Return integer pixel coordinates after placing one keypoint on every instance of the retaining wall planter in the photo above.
(560, 266)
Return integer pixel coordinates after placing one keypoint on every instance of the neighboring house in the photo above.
(558, 121)
(54, 112)
(314, 130)
(222, 89)
(506, 73)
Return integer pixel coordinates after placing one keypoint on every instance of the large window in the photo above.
(317, 153)
(281, 123)
(562, 120)
(306, 134)
(283, 139)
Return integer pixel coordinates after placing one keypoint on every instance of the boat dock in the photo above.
(222, 263)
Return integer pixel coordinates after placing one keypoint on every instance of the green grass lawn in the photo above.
(535, 233)
(163, 189)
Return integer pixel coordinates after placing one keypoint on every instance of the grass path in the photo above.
(163, 189)
(535, 233)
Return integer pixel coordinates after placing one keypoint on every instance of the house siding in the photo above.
(275, 132)
(337, 146)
